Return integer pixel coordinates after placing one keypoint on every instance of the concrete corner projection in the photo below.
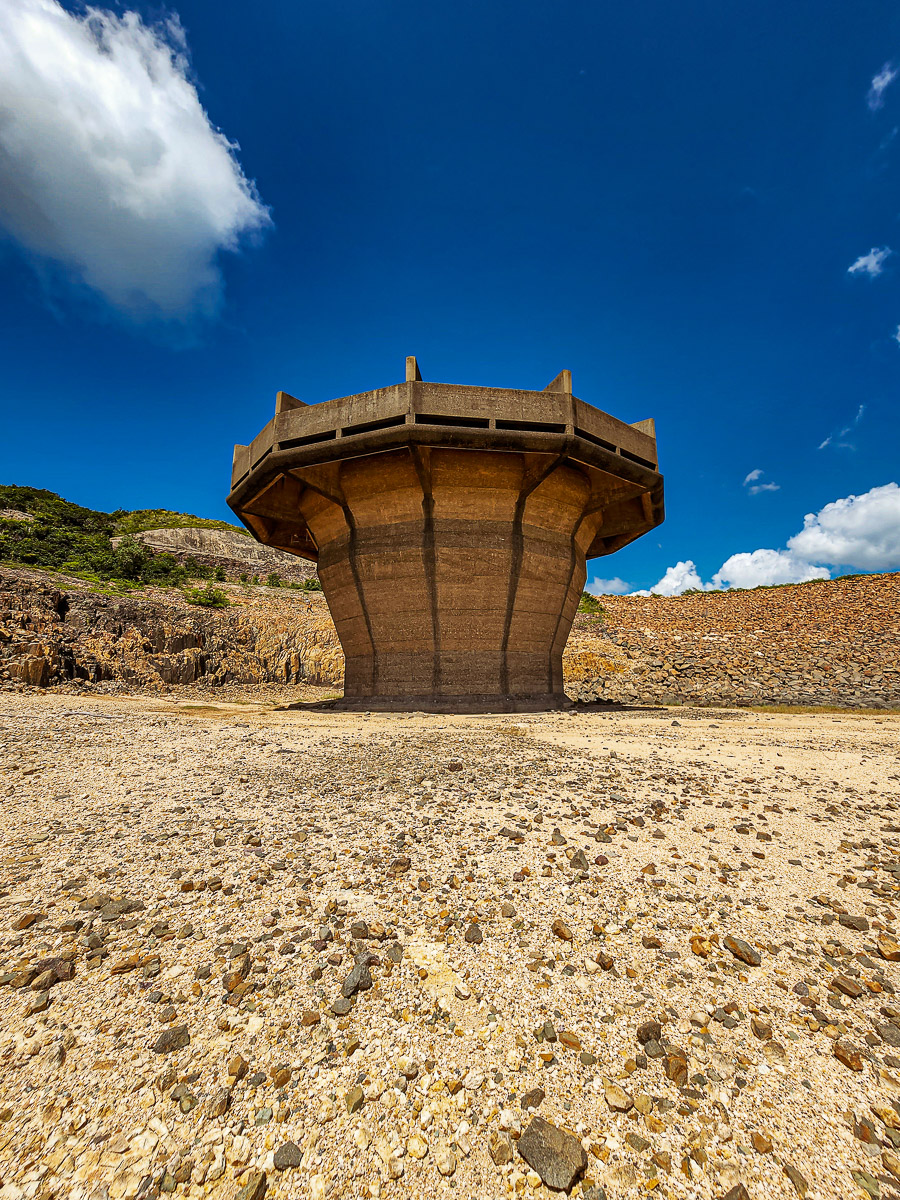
(451, 526)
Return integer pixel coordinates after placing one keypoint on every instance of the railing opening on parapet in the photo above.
(531, 426)
(370, 426)
(643, 462)
(458, 422)
(309, 440)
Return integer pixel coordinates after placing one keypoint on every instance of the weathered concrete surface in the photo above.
(451, 527)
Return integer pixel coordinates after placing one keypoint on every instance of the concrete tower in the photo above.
(451, 526)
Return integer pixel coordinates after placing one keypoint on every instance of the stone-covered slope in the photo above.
(825, 642)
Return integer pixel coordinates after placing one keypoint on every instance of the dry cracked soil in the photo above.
(247, 951)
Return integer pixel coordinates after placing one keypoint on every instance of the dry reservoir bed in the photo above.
(314, 954)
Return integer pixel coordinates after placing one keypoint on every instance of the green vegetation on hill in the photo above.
(591, 605)
(66, 537)
(162, 518)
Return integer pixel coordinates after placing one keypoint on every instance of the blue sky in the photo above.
(666, 199)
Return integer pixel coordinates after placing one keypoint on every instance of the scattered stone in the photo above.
(445, 1160)
(219, 1103)
(848, 987)
(254, 1188)
(557, 1157)
(416, 1146)
(742, 950)
(354, 1099)
(801, 1187)
(617, 1098)
(579, 862)
(474, 936)
(649, 1031)
(532, 1098)
(359, 980)
(500, 1149)
(562, 931)
(238, 1067)
(848, 1055)
(287, 1155)
(675, 1067)
(172, 1039)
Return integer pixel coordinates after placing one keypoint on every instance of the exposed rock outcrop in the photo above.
(232, 550)
(155, 638)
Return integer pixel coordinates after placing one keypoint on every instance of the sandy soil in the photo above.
(531, 915)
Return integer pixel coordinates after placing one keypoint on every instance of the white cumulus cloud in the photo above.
(756, 568)
(109, 166)
(608, 587)
(858, 531)
(870, 264)
(683, 577)
(881, 82)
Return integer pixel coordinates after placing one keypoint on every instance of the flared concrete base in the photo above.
(450, 704)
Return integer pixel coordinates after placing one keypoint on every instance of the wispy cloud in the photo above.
(111, 172)
(871, 264)
(839, 439)
(754, 487)
(881, 82)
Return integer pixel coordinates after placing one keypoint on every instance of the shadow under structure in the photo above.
(451, 526)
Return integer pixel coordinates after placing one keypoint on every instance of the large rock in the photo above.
(557, 1156)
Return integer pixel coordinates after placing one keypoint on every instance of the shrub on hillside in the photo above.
(591, 605)
(207, 597)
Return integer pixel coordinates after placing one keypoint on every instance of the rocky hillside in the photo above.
(823, 643)
(39, 528)
(56, 631)
(233, 550)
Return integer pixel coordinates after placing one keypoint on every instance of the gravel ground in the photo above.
(315, 954)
